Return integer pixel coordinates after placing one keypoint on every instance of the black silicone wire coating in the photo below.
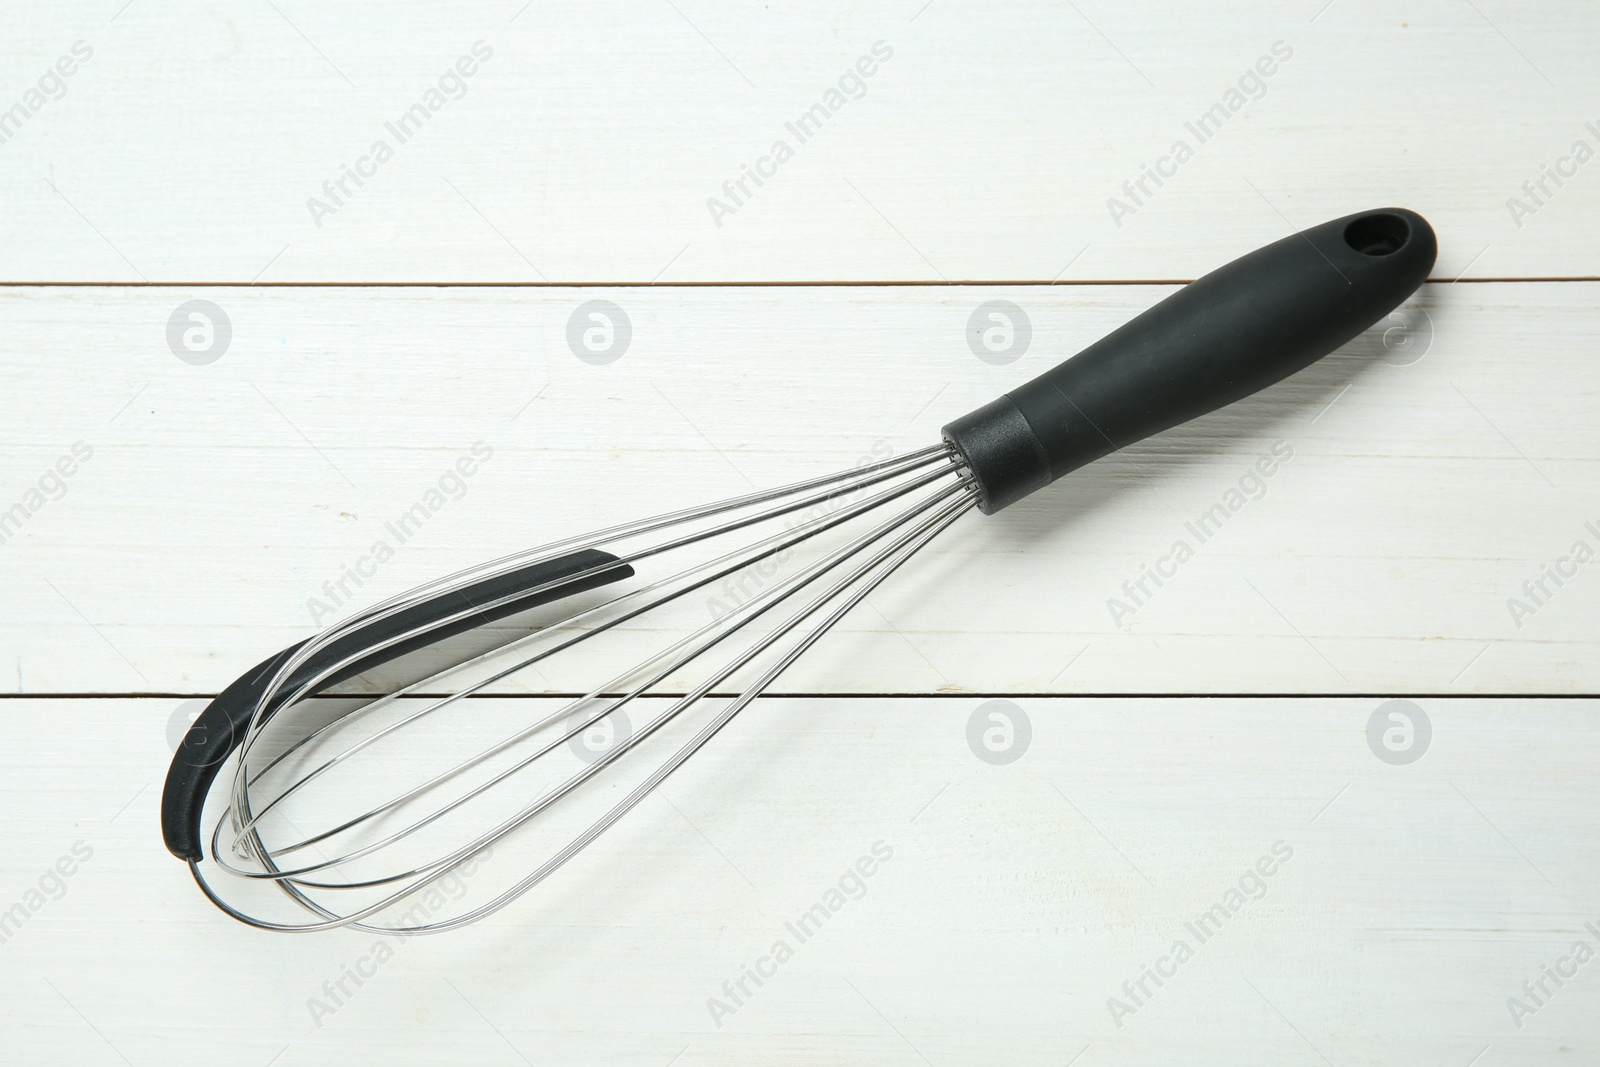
(221, 727)
(1231, 333)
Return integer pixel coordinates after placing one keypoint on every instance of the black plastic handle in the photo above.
(1231, 333)
(221, 728)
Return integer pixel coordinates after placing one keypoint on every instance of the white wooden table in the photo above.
(171, 515)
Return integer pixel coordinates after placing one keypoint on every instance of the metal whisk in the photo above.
(385, 813)
(756, 606)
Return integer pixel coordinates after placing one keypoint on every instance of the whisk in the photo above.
(442, 801)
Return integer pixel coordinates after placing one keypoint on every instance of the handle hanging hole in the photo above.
(1377, 235)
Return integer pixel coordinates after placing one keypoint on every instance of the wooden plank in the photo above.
(587, 147)
(1416, 500)
(1414, 902)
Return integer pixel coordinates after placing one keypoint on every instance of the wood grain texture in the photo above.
(1017, 901)
(1380, 555)
(587, 147)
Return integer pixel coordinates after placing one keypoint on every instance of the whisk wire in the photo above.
(895, 554)
(826, 504)
(720, 627)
